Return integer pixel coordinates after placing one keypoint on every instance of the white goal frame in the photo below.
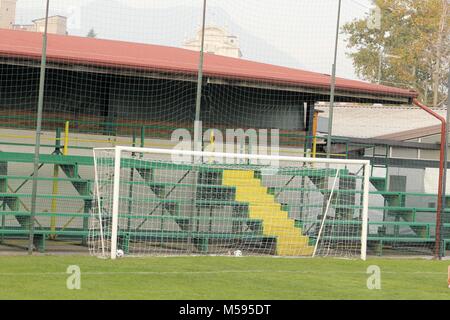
(202, 154)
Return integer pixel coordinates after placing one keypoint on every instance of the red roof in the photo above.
(119, 54)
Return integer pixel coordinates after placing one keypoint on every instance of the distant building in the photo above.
(217, 41)
(56, 24)
(7, 13)
(24, 27)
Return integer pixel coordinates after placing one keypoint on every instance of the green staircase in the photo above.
(9, 200)
(162, 191)
(13, 200)
(208, 195)
(396, 213)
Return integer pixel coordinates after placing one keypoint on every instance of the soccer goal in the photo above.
(172, 202)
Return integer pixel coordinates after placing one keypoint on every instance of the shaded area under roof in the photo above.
(144, 57)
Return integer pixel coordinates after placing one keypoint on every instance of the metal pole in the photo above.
(333, 83)
(444, 178)
(198, 135)
(38, 131)
(441, 182)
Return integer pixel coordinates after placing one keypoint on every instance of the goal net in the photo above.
(172, 202)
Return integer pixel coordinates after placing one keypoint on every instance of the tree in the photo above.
(91, 34)
(410, 48)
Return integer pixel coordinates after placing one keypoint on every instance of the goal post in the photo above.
(179, 202)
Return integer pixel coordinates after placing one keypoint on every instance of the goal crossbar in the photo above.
(120, 149)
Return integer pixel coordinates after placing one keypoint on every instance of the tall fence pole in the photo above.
(445, 214)
(333, 83)
(38, 131)
(198, 102)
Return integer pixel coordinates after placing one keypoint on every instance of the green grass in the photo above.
(44, 277)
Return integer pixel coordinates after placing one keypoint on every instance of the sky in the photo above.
(293, 33)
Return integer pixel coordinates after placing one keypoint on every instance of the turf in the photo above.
(44, 277)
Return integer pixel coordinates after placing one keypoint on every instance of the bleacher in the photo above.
(401, 226)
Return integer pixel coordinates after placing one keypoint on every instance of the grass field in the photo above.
(44, 277)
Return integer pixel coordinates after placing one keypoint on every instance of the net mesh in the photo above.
(227, 206)
(125, 73)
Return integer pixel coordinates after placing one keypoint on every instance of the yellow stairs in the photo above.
(263, 206)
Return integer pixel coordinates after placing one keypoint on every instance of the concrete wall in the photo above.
(7, 13)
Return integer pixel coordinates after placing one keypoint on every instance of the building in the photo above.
(7, 13)
(56, 24)
(403, 142)
(24, 27)
(405, 128)
(217, 41)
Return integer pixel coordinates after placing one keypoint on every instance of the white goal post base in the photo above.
(172, 202)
